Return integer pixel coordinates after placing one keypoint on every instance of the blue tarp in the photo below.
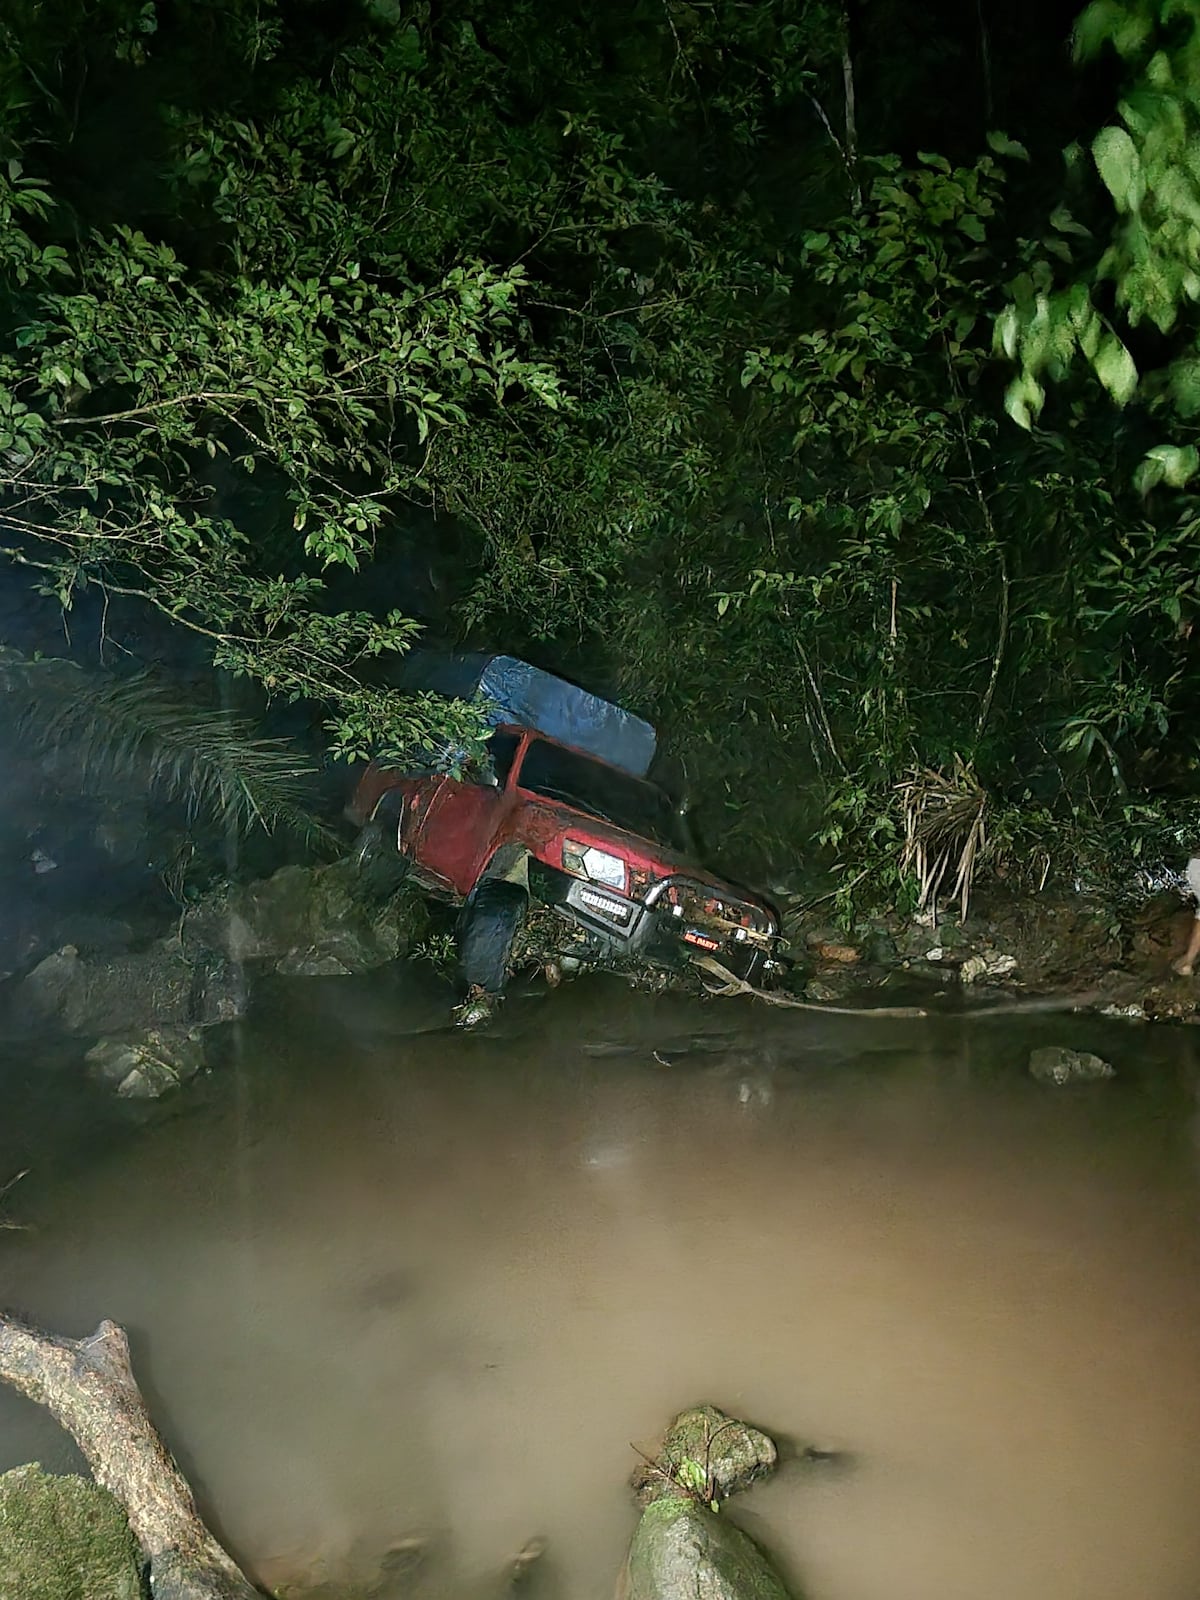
(531, 698)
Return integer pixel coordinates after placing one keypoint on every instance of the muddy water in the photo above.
(386, 1284)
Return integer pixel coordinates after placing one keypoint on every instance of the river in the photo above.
(387, 1282)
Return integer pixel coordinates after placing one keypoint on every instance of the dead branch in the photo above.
(731, 985)
(1080, 1000)
(89, 1387)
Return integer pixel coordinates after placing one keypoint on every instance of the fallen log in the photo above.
(89, 1387)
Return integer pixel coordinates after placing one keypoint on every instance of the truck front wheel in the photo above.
(490, 924)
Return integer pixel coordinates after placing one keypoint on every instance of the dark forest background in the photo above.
(819, 378)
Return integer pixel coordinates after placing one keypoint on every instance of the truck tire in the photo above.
(381, 867)
(490, 924)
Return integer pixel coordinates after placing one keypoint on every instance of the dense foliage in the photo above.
(692, 325)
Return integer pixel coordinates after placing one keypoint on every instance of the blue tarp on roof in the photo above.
(534, 699)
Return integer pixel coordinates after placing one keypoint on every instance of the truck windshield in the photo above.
(601, 791)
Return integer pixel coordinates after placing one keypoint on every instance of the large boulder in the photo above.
(158, 987)
(309, 922)
(683, 1551)
(685, 1547)
(64, 1538)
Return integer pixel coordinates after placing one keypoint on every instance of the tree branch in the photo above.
(89, 1387)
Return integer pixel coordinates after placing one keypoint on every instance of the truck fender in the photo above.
(510, 863)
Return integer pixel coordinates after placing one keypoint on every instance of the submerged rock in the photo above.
(64, 1537)
(142, 1067)
(1056, 1064)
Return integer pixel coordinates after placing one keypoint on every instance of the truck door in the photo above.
(454, 839)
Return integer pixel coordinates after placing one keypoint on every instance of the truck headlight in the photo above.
(586, 861)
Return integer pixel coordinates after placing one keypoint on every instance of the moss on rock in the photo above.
(730, 1454)
(682, 1550)
(64, 1538)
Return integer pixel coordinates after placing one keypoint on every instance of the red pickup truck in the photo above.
(555, 825)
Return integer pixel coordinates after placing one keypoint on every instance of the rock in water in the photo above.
(144, 1066)
(64, 1537)
(988, 964)
(1056, 1064)
(733, 1454)
(684, 1551)
(158, 987)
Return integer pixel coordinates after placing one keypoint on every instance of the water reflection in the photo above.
(387, 1283)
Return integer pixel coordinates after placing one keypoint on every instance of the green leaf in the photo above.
(1004, 146)
(1062, 219)
(1126, 27)
(1115, 369)
(1119, 166)
(1175, 465)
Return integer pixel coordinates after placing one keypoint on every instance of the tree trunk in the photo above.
(89, 1387)
(851, 145)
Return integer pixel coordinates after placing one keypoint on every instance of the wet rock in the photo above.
(1174, 1000)
(733, 1453)
(1056, 1064)
(43, 990)
(682, 1550)
(158, 987)
(110, 995)
(308, 922)
(1133, 1012)
(314, 962)
(682, 1547)
(839, 955)
(825, 990)
(147, 1065)
(91, 934)
(880, 949)
(220, 992)
(64, 1536)
(122, 834)
(917, 938)
(476, 1010)
(987, 964)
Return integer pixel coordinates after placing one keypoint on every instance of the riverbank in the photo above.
(1067, 949)
(141, 1016)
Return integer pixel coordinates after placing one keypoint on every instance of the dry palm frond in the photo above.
(137, 730)
(945, 829)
